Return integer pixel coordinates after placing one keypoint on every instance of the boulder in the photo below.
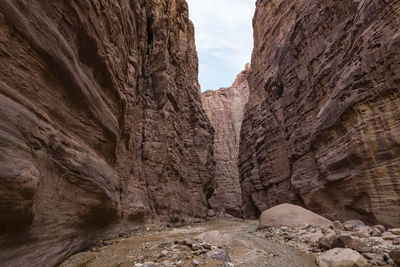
(395, 256)
(341, 257)
(218, 254)
(290, 215)
(355, 243)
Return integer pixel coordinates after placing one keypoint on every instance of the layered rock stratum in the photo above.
(224, 108)
(322, 124)
(101, 127)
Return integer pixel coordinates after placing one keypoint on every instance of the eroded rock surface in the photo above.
(321, 127)
(101, 125)
(224, 108)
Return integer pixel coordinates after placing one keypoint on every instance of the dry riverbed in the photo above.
(167, 247)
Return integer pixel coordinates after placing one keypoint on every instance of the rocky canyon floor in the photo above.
(165, 246)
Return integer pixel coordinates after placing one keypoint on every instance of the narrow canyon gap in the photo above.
(224, 108)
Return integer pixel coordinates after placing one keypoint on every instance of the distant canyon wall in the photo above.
(224, 108)
(102, 127)
(322, 124)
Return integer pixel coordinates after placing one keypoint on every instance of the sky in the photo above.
(224, 39)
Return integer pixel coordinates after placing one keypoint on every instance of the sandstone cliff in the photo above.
(321, 127)
(224, 108)
(101, 125)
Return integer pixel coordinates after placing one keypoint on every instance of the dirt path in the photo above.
(150, 243)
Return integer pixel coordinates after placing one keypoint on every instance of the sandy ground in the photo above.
(252, 250)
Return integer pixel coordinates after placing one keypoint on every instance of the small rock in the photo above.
(396, 241)
(207, 246)
(363, 233)
(164, 253)
(368, 256)
(351, 225)
(327, 240)
(343, 257)
(188, 242)
(140, 259)
(195, 262)
(380, 228)
(196, 246)
(348, 227)
(388, 236)
(395, 231)
(375, 232)
(228, 264)
(211, 213)
(338, 226)
(218, 254)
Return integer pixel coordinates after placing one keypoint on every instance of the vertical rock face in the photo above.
(224, 108)
(101, 124)
(322, 124)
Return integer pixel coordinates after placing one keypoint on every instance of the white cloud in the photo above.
(224, 38)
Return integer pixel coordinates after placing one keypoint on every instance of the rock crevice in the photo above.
(224, 108)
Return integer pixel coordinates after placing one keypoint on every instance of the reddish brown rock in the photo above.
(101, 124)
(321, 125)
(224, 108)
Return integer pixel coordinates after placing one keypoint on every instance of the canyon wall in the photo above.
(322, 124)
(224, 108)
(101, 127)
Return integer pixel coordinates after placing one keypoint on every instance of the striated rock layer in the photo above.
(322, 124)
(224, 108)
(101, 125)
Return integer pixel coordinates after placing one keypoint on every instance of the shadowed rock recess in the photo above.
(322, 124)
(224, 108)
(101, 127)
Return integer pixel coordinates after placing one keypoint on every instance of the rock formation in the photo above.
(224, 108)
(101, 125)
(321, 127)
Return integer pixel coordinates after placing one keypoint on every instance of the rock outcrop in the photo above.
(224, 108)
(321, 127)
(101, 124)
